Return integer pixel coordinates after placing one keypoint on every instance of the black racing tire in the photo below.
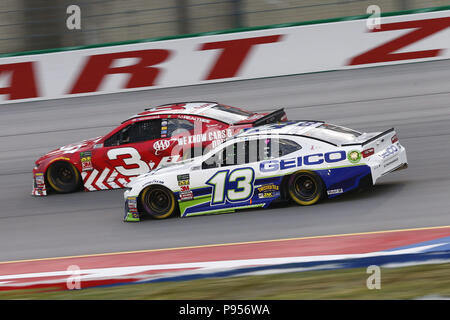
(305, 188)
(158, 202)
(63, 177)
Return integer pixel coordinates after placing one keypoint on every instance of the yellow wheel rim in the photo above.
(52, 183)
(148, 207)
(316, 191)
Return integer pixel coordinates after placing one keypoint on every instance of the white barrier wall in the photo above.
(226, 57)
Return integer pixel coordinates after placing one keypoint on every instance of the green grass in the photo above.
(397, 283)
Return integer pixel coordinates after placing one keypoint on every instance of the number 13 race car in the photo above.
(142, 143)
(302, 161)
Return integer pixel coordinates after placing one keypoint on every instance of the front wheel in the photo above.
(305, 188)
(63, 177)
(158, 202)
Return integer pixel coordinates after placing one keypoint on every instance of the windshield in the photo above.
(332, 133)
(226, 113)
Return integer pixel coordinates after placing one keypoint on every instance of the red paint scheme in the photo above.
(145, 141)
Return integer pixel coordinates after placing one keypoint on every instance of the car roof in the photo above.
(298, 127)
(199, 108)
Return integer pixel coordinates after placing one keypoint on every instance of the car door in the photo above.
(225, 181)
(124, 155)
(242, 174)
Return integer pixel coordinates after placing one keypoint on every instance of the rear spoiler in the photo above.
(378, 136)
(272, 117)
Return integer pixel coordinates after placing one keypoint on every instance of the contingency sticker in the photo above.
(185, 192)
(183, 179)
(268, 191)
(86, 161)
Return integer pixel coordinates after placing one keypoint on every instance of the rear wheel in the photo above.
(63, 177)
(305, 188)
(158, 202)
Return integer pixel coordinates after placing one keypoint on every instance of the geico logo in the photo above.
(389, 151)
(308, 160)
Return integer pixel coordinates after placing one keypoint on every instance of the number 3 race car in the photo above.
(302, 161)
(142, 143)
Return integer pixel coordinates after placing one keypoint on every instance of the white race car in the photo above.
(302, 161)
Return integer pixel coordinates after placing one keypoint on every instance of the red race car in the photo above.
(150, 139)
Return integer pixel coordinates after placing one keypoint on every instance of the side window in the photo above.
(251, 151)
(136, 132)
(288, 146)
(173, 127)
(271, 148)
(231, 155)
(235, 154)
(114, 140)
(143, 131)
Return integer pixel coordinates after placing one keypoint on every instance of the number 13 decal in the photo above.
(234, 186)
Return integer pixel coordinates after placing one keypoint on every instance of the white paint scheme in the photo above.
(300, 132)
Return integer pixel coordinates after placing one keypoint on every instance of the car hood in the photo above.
(175, 169)
(69, 149)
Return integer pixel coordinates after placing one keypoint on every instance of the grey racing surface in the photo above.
(413, 98)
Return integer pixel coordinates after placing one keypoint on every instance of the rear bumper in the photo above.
(394, 162)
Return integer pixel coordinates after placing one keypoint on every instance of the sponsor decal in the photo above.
(161, 145)
(184, 188)
(207, 136)
(268, 195)
(354, 156)
(186, 195)
(86, 161)
(183, 179)
(132, 214)
(268, 187)
(39, 185)
(188, 117)
(308, 160)
(268, 191)
(153, 182)
(389, 151)
(39, 177)
(335, 191)
(183, 182)
(183, 176)
(132, 204)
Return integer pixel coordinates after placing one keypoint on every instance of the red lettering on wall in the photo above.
(422, 30)
(22, 83)
(142, 74)
(233, 54)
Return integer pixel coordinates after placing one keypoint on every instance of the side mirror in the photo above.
(206, 165)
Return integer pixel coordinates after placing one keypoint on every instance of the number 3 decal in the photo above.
(235, 186)
(134, 159)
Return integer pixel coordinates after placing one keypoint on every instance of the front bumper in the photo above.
(131, 210)
(39, 188)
